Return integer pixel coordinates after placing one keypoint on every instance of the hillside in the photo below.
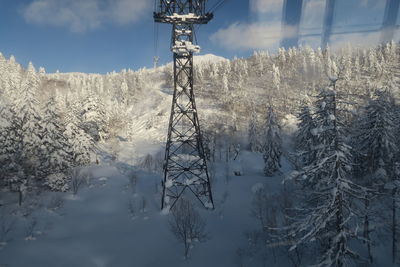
(293, 151)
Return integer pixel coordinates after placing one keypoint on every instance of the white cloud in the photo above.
(266, 6)
(265, 10)
(362, 40)
(359, 40)
(128, 11)
(83, 15)
(267, 36)
(241, 36)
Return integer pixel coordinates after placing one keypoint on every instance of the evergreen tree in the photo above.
(80, 144)
(375, 138)
(305, 136)
(54, 149)
(124, 96)
(377, 149)
(3, 75)
(27, 123)
(327, 214)
(10, 148)
(254, 141)
(13, 78)
(11, 165)
(273, 144)
(93, 118)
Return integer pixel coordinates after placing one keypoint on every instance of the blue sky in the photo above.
(106, 35)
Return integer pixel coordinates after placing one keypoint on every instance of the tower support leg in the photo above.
(185, 166)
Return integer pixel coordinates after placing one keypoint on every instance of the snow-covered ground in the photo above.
(97, 227)
(109, 224)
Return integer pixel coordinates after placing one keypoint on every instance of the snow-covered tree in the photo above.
(273, 144)
(254, 139)
(27, 122)
(124, 93)
(12, 78)
(225, 84)
(375, 137)
(57, 182)
(10, 148)
(80, 143)
(305, 136)
(327, 214)
(325, 123)
(54, 150)
(187, 225)
(9, 138)
(377, 150)
(93, 117)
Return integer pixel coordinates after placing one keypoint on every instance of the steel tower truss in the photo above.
(185, 166)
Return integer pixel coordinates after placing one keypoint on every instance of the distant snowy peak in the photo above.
(208, 58)
(201, 59)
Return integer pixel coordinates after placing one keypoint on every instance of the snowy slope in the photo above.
(95, 228)
(208, 58)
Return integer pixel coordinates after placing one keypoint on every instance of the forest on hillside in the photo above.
(339, 202)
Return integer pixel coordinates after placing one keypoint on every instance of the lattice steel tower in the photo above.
(185, 166)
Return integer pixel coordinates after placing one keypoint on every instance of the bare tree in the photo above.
(147, 163)
(271, 241)
(55, 202)
(77, 180)
(6, 226)
(143, 204)
(240, 257)
(30, 230)
(187, 225)
(132, 208)
(265, 210)
(133, 182)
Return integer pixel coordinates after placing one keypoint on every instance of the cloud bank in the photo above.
(255, 36)
(84, 15)
(265, 33)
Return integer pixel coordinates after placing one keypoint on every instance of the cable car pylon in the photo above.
(185, 165)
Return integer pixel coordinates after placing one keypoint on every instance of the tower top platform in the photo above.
(189, 18)
(182, 11)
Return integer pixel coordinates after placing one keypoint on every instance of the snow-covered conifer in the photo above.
(254, 140)
(327, 214)
(375, 139)
(80, 143)
(42, 72)
(305, 136)
(225, 84)
(93, 117)
(28, 121)
(377, 151)
(57, 182)
(124, 93)
(276, 76)
(273, 144)
(13, 79)
(54, 149)
(10, 147)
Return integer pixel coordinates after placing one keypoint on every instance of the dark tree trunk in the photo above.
(394, 227)
(19, 197)
(367, 230)
(339, 229)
